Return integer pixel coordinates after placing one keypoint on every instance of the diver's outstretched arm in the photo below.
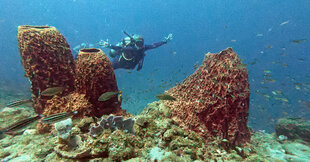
(155, 45)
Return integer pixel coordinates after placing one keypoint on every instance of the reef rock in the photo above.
(293, 128)
(64, 129)
(214, 100)
(72, 102)
(113, 122)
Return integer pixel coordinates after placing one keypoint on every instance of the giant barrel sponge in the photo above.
(47, 60)
(95, 76)
(214, 100)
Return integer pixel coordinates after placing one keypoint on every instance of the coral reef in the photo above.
(116, 145)
(95, 76)
(214, 100)
(157, 137)
(47, 60)
(72, 102)
(64, 129)
(43, 128)
(84, 124)
(293, 128)
(113, 122)
(265, 147)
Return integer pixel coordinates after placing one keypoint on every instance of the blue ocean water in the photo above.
(261, 32)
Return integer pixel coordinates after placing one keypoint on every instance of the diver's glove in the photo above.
(168, 38)
(104, 43)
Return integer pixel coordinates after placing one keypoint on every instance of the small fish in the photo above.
(195, 66)
(277, 98)
(52, 91)
(279, 92)
(18, 102)
(120, 98)
(275, 62)
(174, 52)
(108, 95)
(266, 96)
(296, 41)
(284, 99)
(269, 46)
(274, 92)
(284, 65)
(57, 117)
(233, 40)
(20, 124)
(285, 22)
(258, 92)
(301, 59)
(267, 71)
(259, 35)
(299, 84)
(165, 97)
(270, 80)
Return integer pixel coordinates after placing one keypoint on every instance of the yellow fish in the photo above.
(108, 95)
(120, 98)
(267, 71)
(165, 97)
(285, 22)
(298, 41)
(285, 99)
(52, 91)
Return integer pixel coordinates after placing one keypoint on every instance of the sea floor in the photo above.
(156, 138)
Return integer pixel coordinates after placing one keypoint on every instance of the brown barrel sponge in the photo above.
(214, 100)
(47, 60)
(94, 76)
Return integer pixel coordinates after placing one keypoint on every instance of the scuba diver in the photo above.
(130, 51)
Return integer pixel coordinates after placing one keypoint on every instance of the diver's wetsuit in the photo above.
(130, 56)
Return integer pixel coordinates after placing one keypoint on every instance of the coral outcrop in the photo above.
(64, 129)
(72, 102)
(157, 138)
(95, 76)
(214, 100)
(113, 122)
(47, 60)
(293, 128)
